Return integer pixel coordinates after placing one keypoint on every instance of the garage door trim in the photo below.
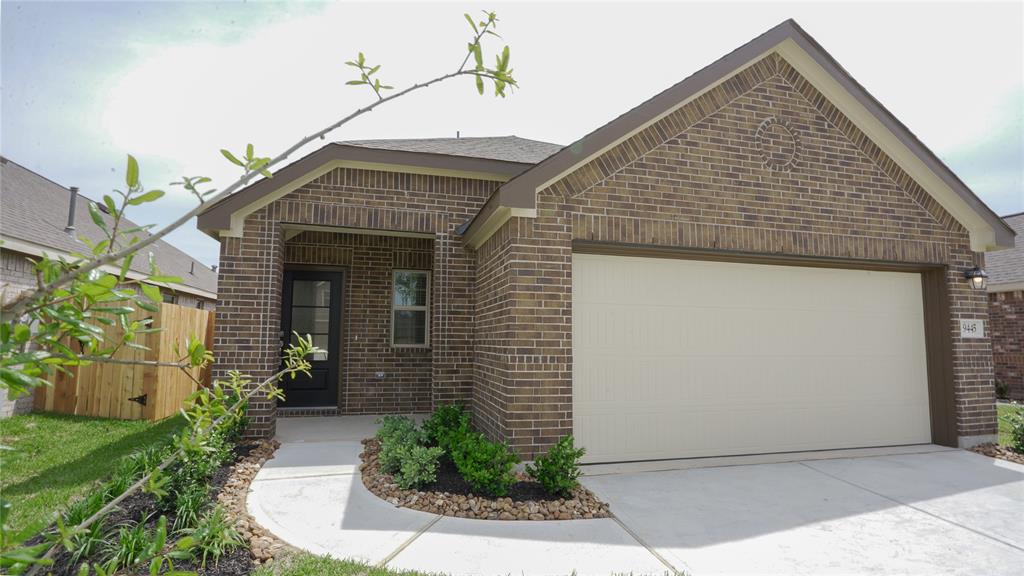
(938, 337)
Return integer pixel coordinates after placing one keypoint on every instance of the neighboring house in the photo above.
(758, 259)
(1006, 310)
(38, 216)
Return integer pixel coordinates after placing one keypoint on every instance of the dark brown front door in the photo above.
(312, 305)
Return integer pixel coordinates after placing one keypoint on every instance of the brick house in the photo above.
(39, 216)
(1006, 312)
(758, 259)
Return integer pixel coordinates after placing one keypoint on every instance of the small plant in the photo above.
(485, 465)
(558, 471)
(133, 544)
(417, 466)
(189, 504)
(1002, 389)
(398, 430)
(84, 544)
(213, 536)
(446, 426)
(1016, 421)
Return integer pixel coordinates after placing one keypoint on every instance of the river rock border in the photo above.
(582, 505)
(262, 543)
(1001, 452)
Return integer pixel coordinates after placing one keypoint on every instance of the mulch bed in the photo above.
(450, 495)
(1001, 452)
(225, 486)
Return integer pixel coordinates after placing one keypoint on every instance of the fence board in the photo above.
(103, 389)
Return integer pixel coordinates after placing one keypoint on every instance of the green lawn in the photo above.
(304, 564)
(54, 459)
(1004, 427)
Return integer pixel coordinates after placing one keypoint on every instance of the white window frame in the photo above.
(425, 309)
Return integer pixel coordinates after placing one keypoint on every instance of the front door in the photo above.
(312, 306)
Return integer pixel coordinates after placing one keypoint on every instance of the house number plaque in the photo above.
(972, 328)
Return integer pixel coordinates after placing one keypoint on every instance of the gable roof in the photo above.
(524, 176)
(35, 213)
(1006, 267)
(804, 54)
(504, 148)
(496, 159)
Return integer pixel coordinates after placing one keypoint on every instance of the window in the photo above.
(410, 307)
(170, 298)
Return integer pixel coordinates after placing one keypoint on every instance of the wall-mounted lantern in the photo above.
(977, 278)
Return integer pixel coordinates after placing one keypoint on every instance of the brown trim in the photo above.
(218, 215)
(939, 350)
(521, 190)
(653, 251)
(938, 338)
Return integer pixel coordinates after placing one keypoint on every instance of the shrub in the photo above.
(446, 426)
(485, 465)
(558, 470)
(398, 430)
(133, 544)
(1016, 421)
(417, 465)
(213, 536)
(189, 502)
(1002, 389)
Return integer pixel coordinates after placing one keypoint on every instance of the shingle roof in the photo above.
(505, 148)
(1005, 266)
(35, 210)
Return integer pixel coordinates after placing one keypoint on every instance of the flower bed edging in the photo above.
(262, 543)
(582, 505)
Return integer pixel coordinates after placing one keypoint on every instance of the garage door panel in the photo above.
(670, 362)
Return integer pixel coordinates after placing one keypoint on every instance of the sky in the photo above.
(84, 84)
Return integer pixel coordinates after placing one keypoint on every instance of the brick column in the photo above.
(1006, 318)
(247, 328)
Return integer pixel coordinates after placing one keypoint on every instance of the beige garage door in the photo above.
(682, 358)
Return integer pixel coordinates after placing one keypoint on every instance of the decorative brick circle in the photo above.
(779, 144)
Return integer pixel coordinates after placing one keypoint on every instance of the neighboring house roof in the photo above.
(517, 195)
(504, 148)
(1006, 267)
(34, 215)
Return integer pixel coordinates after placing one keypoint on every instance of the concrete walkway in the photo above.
(920, 510)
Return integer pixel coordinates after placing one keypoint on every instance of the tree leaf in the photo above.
(151, 292)
(131, 176)
(480, 85)
(97, 216)
(231, 157)
(147, 197)
(471, 23)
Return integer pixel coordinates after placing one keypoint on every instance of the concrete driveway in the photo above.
(922, 510)
(942, 512)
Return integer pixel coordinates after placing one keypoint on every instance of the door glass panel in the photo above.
(311, 293)
(311, 320)
(410, 327)
(410, 288)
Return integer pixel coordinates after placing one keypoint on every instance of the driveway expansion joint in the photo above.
(650, 549)
(411, 539)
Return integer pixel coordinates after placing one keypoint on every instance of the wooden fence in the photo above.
(135, 392)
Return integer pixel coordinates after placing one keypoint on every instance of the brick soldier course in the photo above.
(761, 163)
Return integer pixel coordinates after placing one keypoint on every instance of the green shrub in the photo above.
(189, 503)
(485, 465)
(1002, 389)
(417, 465)
(446, 426)
(558, 470)
(133, 544)
(398, 430)
(213, 536)
(1016, 421)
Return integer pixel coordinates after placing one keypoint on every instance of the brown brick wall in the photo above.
(248, 319)
(715, 175)
(368, 262)
(1006, 326)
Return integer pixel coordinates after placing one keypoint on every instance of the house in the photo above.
(759, 259)
(1006, 312)
(39, 216)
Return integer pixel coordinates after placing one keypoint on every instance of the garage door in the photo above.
(683, 358)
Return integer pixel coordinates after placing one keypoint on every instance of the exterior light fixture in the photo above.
(977, 278)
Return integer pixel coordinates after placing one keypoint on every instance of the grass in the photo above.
(305, 564)
(1004, 426)
(54, 459)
